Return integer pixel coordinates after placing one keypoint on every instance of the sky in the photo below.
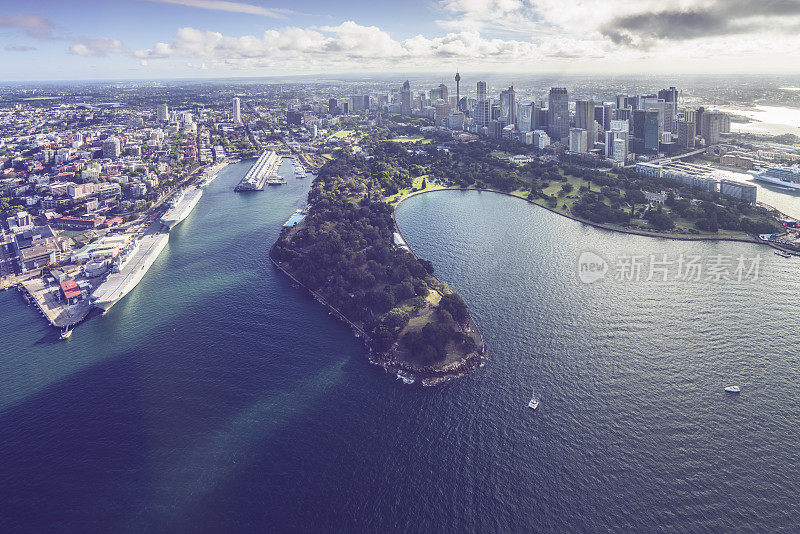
(130, 39)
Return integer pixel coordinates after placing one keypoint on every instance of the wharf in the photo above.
(46, 299)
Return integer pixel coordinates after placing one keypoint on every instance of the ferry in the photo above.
(181, 206)
(788, 177)
(733, 389)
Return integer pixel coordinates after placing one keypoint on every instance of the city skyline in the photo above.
(208, 38)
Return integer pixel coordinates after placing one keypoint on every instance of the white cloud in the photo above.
(96, 46)
(233, 7)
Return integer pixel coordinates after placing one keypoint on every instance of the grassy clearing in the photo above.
(341, 134)
(400, 195)
(408, 139)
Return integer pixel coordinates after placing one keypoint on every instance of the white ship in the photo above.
(784, 176)
(181, 206)
(299, 170)
(129, 268)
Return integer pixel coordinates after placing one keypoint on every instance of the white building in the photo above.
(237, 110)
(111, 147)
(577, 140)
(540, 139)
(162, 111)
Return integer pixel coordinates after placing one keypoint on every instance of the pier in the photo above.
(48, 301)
(258, 175)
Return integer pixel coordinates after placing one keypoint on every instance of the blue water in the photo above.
(216, 397)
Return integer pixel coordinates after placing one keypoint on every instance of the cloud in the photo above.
(233, 7)
(35, 26)
(709, 19)
(19, 48)
(96, 46)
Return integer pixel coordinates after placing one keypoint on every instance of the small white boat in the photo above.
(66, 334)
(732, 389)
(534, 403)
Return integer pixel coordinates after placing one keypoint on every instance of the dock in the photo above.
(259, 174)
(55, 311)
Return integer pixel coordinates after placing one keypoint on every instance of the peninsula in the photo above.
(349, 254)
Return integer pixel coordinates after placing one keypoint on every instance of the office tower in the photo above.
(558, 114)
(443, 92)
(526, 114)
(237, 110)
(713, 124)
(483, 113)
(441, 112)
(616, 145)
(345, 107)
(577, 140)
(405, 99)
(645, 131)
(686, 134)
(111, 147)
(540, 139)
(332, 104)
(698, 119)
(670, 96)
(584, 119)
(162, 111)
(481, 91)
(508, 106)
(608, 114)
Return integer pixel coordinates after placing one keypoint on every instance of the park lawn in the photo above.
(341, 134)
(407, 139)
(400, 195)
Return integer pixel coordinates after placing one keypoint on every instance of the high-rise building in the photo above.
(162, 112)
(481, 91)
(617, 145)
(670, 96)
(713, 124)
(577, 141)
(558, 114)
(237, 110)
(686, 133)
(508, 106)
(442, 111)
(443, 92)
(332, 105)
(111, 147)
(645, 131)
(526, 114)
(405, 99)
(584, 119)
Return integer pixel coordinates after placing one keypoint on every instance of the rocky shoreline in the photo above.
(409, 373)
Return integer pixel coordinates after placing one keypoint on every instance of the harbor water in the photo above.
(216, 397)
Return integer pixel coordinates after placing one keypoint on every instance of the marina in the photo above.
(262, 172)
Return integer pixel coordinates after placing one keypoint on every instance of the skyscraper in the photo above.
(713, 123)
(443, 92)
(526, 115)
(508, 106)
(670, 96)
(558, 115)
(332, 104)
(584, 119)
(162, 111)
(481, 91)
(645, 131)
(405, 99)
(237, 110)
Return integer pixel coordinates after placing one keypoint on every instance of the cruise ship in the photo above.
(785, 176)
(128, 269)
(258, 174)
(181, 206)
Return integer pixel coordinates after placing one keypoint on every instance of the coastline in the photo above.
(677, 237)
(409, 373)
